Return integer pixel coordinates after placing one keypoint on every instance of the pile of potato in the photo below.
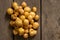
(23, 19)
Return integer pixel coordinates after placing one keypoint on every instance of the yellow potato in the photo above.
(32, 14)
(22, 17)
(30, 26)
(24, 4)
(10, 11)
(25, 35)
(21, 31)
(36, 17)
(34, 9)
(27, 9)
(32, 21)
(15, 32)
(21, 11)
(30, 17)
(26, 22)
(13, 16)
(35, 25)
(12, 23)
(26, 30)
(18, 22)
(26, 14)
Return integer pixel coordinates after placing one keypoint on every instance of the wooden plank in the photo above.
(51, 20)
(5, 33)
(31, 3)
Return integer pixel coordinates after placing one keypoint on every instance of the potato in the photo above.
(26, 22)
(21, 31)
(25, 26)
(35, 25)
(24, 4)
(21, 11)
(22, 17)
(15, 32)
(13, 16)
(26, 30)
(18, 22)
(32, 14)
(36, 17)
(10, 11)
(26, 14)
(15, 5)
(33, 33)
(30, 18)
(25, 35)
(12, 23)
(34, 9)
(30, 26)
(32, 21)
(27, 9)
(16, 13)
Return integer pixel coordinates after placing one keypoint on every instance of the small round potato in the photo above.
(22, 17)
(21, 11)
(24, 4)
(36, 17)
(33, 33)
(34, 9)
(35, 25)
(15, 5)
(15, 32)
(30, 26)
(10, 11)
(13, 16)
(27, 9)
(18, 22)
(32, 14)
(25, 35)
(26, 22)
(12, 23)
(16, 13)
(21, 31)
(25, 26)
(32, 21)
(26, 14)
(26, 30)
(30, 18)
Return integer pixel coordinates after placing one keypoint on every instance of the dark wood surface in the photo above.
(5, 32)
(30, 3)
(51, 20)
(5, 29)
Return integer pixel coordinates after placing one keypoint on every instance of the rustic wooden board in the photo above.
(5, 33)
(30, 3)
(51, 20)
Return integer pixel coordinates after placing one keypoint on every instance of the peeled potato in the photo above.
(21, 31)
(32, 21)
(35, 25)
(18, 22)
(30, 26)
(25, 35)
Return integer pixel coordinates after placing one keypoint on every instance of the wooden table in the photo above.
(49, 11)
(5, 29)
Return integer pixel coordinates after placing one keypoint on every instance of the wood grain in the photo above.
(31, 3)
(5, 33)
(51, 20)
